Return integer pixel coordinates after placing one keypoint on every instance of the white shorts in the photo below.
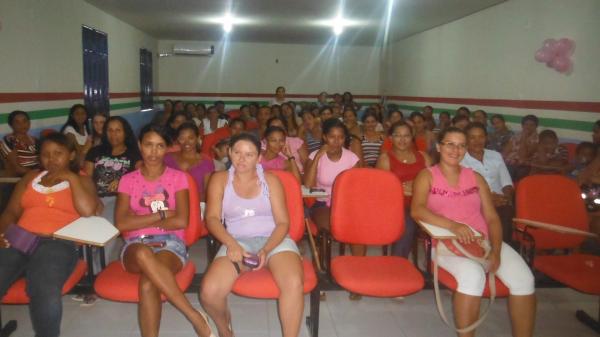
(471, 277)
(253, 245)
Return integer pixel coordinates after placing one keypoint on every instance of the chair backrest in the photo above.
(196, 227)
(293, 199)
(367, 207)
(553, 199)
(571, 149)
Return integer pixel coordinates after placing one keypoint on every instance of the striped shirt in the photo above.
(371, 149)
(312, 144)
(26, 152)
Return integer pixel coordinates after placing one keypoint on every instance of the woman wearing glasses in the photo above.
(405, 162)
(450, 196)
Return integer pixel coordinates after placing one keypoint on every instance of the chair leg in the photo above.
(588, 320)
(384, 250)
(8, 329)
(312, 321)
(342, 250)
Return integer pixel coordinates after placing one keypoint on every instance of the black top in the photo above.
(109, 169)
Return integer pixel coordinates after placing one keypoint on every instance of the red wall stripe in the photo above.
(522, 104)
(14, 97)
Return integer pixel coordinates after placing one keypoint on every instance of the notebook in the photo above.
(438, 232)
(306, 193)
(93, 230)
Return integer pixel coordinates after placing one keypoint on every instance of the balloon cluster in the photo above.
(557, 54)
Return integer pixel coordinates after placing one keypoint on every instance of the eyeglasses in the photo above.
(454, 146)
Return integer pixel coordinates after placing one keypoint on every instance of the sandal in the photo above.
(207, 323)
(354, 297)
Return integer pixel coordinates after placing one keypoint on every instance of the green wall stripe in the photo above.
(60, 112)
(544, 121)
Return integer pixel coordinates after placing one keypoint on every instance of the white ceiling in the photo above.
(287, 21)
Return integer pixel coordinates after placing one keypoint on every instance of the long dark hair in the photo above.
(71, 120)
(64, 141)
(130, 141)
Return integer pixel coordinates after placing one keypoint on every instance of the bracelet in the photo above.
(291, 158)
(163, 214)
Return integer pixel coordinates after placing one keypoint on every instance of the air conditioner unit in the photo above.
(190, 50)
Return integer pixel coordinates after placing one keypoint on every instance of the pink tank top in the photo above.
(277, 163)
(460, 203)
(248, 217)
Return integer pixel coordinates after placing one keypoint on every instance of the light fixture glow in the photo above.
(227, 23)
(338, 24)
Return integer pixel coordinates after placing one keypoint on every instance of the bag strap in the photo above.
(492, 285)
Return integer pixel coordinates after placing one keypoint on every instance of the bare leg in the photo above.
(522, 314)
(466, 311)
(321, 218)
(216, 286)
(160, 270)
(287, 271)
(149, 308)
(358, 250)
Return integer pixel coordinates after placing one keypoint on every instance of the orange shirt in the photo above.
(47, 209)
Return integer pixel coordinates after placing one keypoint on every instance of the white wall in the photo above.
(42, 52)
(260, 67)
(490, 55)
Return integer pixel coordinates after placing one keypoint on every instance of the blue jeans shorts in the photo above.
(158, 243)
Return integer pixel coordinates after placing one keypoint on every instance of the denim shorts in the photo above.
(254, 244)
(158, 243)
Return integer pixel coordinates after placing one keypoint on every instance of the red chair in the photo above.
(571, 149)
(556, 200)
(366, 208)
(212, 139)
(114, 283)
(17, 294)
(260, 284)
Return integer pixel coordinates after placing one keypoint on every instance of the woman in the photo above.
(291, 122)
(188, 159)
(98, 122)
(501, 135)
(252, 204)
(42, 203)
(371, 140)
(277, 154)
(311, 130)
(519, 150)
(351, 122)
(212, 121)
(405, 162)
(450, 196)
(163, 115)
(444, 121)
(174, 122)
(424, 138)
(152, 212)
(279, 97)
(323, 167)
(77, 131)
(295, 145)
(19, 150)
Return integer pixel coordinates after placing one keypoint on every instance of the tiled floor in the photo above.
(414, 316)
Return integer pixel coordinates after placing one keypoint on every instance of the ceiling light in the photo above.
(339, 23)
(227, 23)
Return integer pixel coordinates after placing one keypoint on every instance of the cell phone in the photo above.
(251, 261)
(315, 189)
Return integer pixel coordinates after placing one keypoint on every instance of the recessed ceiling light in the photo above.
(227, 21)
(339, 23)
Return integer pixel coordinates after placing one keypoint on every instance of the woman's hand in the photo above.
(235, 252)
(463, 232)
(286, 151)
(262, 258)
(407, 188)
(493, 262)
(4, 242)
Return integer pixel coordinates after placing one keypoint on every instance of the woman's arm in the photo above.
(88, 168)
(492, 220)
(292, 167)
(312, 166)
(280, 213)
(14, 166)
(126, 220)
(214, 207)
(356, 148)
(383, 162)
(13, 210)
(427, 158)
(84, 194)
(303, 153)
(420, 212)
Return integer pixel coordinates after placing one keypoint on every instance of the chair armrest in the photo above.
(553, 227)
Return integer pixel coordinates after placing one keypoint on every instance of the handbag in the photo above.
(21, 239)
(478, 251)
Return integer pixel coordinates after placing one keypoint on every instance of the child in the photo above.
(221, 159)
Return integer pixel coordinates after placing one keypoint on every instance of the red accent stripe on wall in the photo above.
(522, 104)
(13, 97)
(229, 94)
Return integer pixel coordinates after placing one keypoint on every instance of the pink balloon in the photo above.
(549, 44)
(562, 64)
(564, 46)
(542, 55)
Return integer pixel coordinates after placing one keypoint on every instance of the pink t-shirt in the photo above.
(147, 197)
(294, 143)
(277, 163)
(328, 170)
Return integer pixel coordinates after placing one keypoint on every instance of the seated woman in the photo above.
(296, 145)
(152, 212)
(188, 159)
(489, 164)
(449, 196)
(19, 150)
(251, 202)
(106, 164)
(277, 155)
(405, 162)
(310, 132)
(550, 158)
(323, 167)
(519, 150)
(292, 121)
(173, 123)
(77, 130)
(42, 203)
(371, 139)
(98, 122)
(424, 138)
(212, 122)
